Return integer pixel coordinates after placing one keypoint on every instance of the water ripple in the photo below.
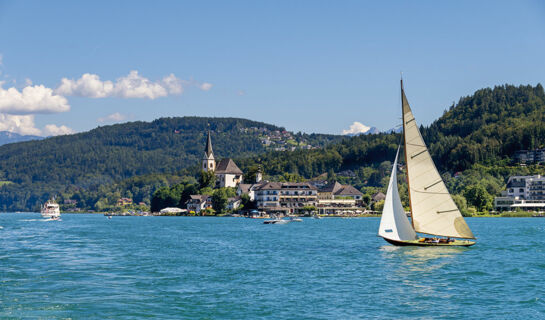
(205, 268)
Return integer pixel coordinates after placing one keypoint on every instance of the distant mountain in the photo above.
(395, 130)
(12, 137)
(358, 128)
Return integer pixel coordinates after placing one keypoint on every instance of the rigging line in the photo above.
(410, 121)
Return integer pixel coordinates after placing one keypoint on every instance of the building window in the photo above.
(521, 190)
(210, 165)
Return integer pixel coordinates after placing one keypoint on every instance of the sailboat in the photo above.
(433, 212)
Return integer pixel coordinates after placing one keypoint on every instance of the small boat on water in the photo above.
(276, 221)
(295, 219)
(51, 210)
(433, 212)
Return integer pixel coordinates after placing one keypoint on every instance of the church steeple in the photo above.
(208, 150)
(208, 161)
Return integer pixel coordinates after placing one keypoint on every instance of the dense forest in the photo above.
(472, 143)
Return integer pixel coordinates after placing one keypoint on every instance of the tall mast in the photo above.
(405, 153)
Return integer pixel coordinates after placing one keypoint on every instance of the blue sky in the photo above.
(312, 66)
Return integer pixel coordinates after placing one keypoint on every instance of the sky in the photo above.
(310, 66)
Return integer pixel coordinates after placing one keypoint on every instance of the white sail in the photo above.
(432, 208)
(394, 223)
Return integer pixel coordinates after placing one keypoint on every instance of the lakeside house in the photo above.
(335, 198)
(524, 193)
(285, 197)
(198, 202)
(233, 203)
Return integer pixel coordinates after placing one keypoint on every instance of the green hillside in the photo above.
(88, 161)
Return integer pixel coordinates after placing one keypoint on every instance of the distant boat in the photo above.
(276, 220)
(433, 212)
(295, 219)
(50, 210)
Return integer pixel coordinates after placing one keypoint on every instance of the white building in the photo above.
(523, 192)
(285, 197)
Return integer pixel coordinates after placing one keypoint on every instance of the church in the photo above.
(226, 171)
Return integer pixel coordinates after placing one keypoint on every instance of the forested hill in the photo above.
(32, 171)
(488, 127)
(485, 128)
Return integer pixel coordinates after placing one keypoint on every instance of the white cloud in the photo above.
(19, 124)
(205, 86)
(114, 117)
(24, 124)
(241, 92)
(89, 85)
(32, 99)
(173, 84)
(356, 128)
(131, 86)
(28, 82)
(54, 130)
(1, 60)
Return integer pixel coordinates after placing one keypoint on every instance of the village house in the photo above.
(124, 202)
(233, 203)
(198, 202)
(335, 198)
(226, 171)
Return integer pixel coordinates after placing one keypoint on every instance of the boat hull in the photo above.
(418, 243)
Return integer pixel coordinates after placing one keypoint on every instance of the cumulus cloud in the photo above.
(32, 99)
(131, 86)
(356, 128)
(114, 117)
(54, 130)
(19, 124)
(24, 124)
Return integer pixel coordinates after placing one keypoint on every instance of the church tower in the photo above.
(208, 162)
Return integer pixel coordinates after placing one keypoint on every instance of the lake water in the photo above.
(87, 266)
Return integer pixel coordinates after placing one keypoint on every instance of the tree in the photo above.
(163, 198)
(219, 200)
(377, 206)
(188, 191)
(477, 196)
(251, 174)
(207, 179)
(247, 204)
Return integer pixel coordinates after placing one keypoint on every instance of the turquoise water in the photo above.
(89, 267)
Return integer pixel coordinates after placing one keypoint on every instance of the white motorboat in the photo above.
(51, 210)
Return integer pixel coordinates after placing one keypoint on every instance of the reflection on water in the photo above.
(420, 258)
(414, 267)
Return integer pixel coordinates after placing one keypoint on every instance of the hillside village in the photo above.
(278, 198)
